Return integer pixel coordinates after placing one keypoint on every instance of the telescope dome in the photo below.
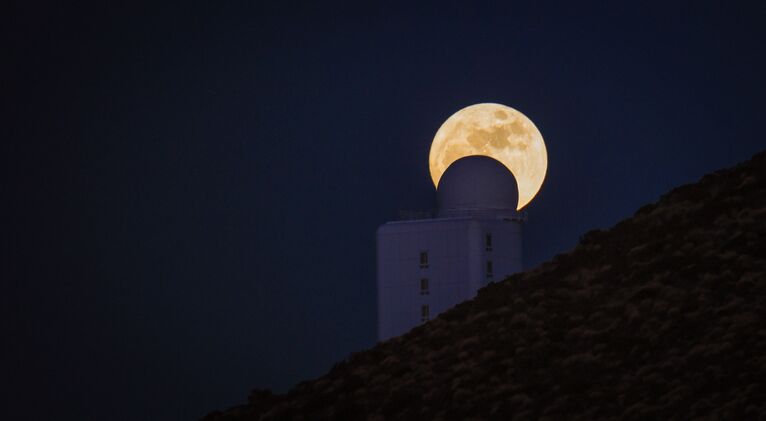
(476, 184)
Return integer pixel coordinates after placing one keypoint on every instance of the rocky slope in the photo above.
(661, 317)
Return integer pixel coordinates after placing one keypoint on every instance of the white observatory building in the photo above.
(427, 266)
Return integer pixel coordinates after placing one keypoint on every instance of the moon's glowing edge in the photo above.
(522, 150)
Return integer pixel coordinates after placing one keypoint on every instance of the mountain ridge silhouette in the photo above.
(659, 317)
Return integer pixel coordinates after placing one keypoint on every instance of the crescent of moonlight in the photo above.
(499, 132)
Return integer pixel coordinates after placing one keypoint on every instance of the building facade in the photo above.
(427, 266)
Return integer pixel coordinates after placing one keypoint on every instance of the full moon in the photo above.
(496, 131)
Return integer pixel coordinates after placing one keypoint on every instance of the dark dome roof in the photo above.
(477, 183)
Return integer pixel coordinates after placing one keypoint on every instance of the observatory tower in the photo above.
(426, 266)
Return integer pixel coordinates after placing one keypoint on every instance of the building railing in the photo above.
(417, 214)
(413, 214)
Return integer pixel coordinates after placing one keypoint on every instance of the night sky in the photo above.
(192, 192)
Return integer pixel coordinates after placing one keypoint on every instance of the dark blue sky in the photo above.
(193, 191)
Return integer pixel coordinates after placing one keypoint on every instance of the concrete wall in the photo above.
(457, 264)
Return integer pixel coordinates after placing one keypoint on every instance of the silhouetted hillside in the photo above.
(662, 316)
